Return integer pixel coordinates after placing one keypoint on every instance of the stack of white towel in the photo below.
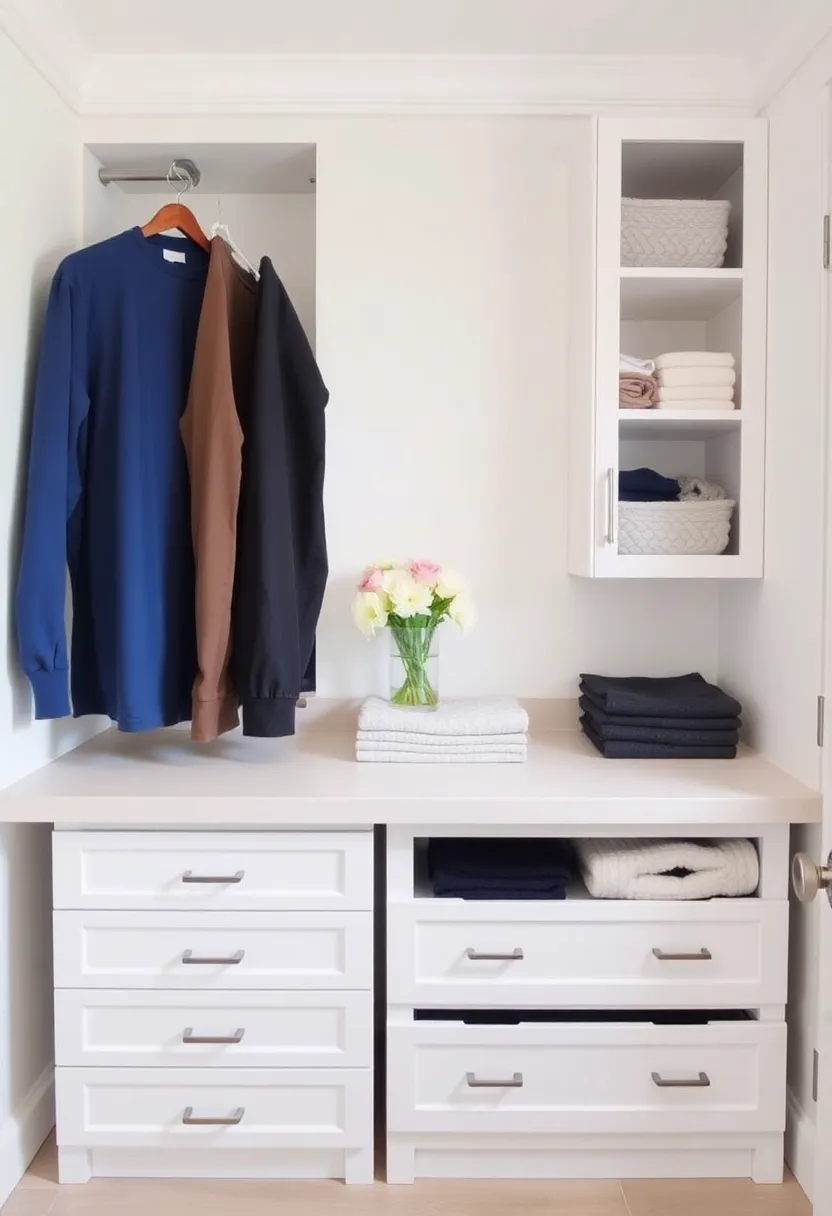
(696, 380)
(485, 730)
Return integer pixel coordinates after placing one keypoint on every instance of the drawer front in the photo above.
(724, 1077)
(122, 1029)
(584, 953)
(260, 1108)
(301, 950)
(216, 871)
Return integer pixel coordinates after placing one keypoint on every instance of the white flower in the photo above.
(463, 612)
(368, 612)
(407, 597)
(451, 584)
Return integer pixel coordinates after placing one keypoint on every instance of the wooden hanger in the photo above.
(177, 215)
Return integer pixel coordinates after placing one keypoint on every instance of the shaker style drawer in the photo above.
(212, 1110)
(585, 953)
(124, 1029)
(216, 871)
(593, 1079)
(301, 950)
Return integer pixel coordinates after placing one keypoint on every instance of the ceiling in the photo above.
(746, 28)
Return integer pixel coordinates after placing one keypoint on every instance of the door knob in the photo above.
(808, 879)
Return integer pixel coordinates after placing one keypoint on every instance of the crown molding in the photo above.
(42, 32)
(770, 72)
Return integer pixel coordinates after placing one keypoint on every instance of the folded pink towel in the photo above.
(637, 391)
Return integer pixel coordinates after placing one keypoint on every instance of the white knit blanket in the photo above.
(638, 869)
(469, 716)
(695, 358)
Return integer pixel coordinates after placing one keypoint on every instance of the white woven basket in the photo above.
(674, 231)
(674, 527)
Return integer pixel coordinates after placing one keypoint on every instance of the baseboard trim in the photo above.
(24, 1131)
(800, 1145)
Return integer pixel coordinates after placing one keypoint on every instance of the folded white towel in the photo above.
(445, 749)
(639, 869)
(629, 363)
(697, 392)
(696, 376)
(695, 358)
(395, 737)
(438, 757)
(469, 716)
(722, 403)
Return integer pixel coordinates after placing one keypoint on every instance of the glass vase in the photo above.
(414, 666)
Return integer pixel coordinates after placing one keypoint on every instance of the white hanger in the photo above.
(218, 228)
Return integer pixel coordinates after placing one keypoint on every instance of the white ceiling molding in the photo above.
(770, 72)
(51, 44)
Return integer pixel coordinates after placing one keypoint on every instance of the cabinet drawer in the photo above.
(587, 953)
(721, 1077)
(264, 1108)
(257, 871)
(123, 1029)
(304, 950)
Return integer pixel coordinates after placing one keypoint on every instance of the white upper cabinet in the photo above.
(644, 304)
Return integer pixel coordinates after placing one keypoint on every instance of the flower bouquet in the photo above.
(411, 599)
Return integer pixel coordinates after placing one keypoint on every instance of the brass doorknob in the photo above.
(808, 879)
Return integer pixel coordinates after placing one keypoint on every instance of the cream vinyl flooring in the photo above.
(39, 1195)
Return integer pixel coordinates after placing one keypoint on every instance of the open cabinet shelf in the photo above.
(677, 424)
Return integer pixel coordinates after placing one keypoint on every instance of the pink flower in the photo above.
(424, 571)
(371, 580)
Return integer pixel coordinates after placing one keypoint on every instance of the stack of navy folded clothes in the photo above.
(476, 868)
(679, 718)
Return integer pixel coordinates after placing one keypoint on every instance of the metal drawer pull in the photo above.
(697, 956)
(477, 956)
(188, 1036)
(472, 1082)
(230, 961)
(192, 1120)
(189, 876)
(700, 1082)
(611, 537)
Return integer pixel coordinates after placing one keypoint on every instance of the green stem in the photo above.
(414, 647)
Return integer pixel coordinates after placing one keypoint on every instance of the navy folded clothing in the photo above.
(645, 485)
(688, 696)
(495, 858)
(596, 711)
(683, 735)
(618, 749)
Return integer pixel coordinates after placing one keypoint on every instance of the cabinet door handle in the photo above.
(696, 956)
(188, 1036)
(473, 1082)
(192, 1120)
(611, 539)
(700, 1082)
(230, 960)
(219, 879)
(480, 956)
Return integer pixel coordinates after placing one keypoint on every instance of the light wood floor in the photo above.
(39, 1194)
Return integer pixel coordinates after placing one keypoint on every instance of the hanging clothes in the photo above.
(108, 486)
(220, 386)
(281, 542)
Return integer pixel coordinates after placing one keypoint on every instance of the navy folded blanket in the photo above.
(620, 749)
(684, 734)
(596, 711)
(496, 868)
(645, 485)
(688, 696)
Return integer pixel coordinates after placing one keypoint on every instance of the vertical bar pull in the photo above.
(611, 537)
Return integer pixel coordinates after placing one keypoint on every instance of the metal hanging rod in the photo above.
(182, 170)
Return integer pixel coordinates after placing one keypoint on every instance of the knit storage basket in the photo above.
(674, 231)
(674, 527)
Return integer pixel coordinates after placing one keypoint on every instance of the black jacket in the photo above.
(281, 566)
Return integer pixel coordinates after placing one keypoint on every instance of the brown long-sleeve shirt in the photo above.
(211, 433)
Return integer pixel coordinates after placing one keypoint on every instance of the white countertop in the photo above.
(162, 779)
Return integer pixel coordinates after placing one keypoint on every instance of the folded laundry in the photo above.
(499, 868)
(645, 485)
(695, 358)
(696, 403)
(696, 376)
(696, 392)
(629, 363)
(696, 489)
(668, 869)
(628, 749)
(637, 391)
(666, 736)
(468, 716)
(688, 696)
(439, 756)
(447, 747)
(407, 737)
(595, 710)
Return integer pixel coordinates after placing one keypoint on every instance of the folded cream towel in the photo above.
(696, 376)
(466, 716)
(723, 403)
(642, 869)
(438, 757)
(637, 391)
(698, 392)
(629, 363)
(516, 738)
(695, 358)
(446, 749)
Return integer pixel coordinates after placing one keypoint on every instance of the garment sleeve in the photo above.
(53, 491)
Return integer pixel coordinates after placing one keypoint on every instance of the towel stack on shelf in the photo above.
(668, 869)
(499, 868)
(637, 386)
(696, 380)
(485, 730)
(682, 717)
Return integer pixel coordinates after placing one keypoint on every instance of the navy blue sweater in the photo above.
(108, 488)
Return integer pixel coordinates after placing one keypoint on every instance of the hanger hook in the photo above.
(180, 175)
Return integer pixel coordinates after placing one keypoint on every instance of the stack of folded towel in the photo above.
(696, 380)
(498, 868)
(682, 717)
(485, 730)
(637, 386)
(668, 869)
